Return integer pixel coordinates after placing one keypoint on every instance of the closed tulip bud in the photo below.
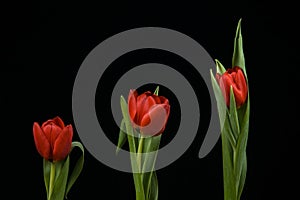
(235, 78)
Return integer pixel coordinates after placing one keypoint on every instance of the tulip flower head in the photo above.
(235, 78)
(148, 112)
(53, 140)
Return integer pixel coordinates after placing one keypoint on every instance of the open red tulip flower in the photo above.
(144, 120)
(148, 112)
(232, 95)
(53, 141)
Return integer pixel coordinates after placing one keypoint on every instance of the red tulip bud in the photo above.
(148, 112)
(233, 77)
(53, 140)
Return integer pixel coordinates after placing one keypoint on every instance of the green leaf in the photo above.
(128, 125)
(122, 137)
(221, 105)
(46, 171)
(233, 116)
(227, 132)
(238, 53)
(228, 173)
(242, 176)
(59, 188)
(137, 177)
(58, 167)
(151, 150)
(156, 91)
(242, 142)
(243, 116)
(220, 68)
(153, 193)
(77, 168)
(152, 143)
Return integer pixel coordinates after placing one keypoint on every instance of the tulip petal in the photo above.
(51, 131)
(139, 105)
(240, 89)
(59, 122)
(218, 77)
(154, 122)
(157, 99)
(163, 100)
(55, 132)
(241, 81)
(132, 104)
(49, 121)
(63, 143)
(140, 99)
(145, 108)
(47, 129)
(223, 82)
(41, 142)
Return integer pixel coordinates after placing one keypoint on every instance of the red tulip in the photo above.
(53, 140)
(148, 112)
(233, 77)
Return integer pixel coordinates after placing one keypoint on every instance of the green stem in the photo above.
(52, 177)
(134, 156)
(140, 153)
(140, 193)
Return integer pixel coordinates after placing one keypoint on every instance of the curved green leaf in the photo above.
(77, 168)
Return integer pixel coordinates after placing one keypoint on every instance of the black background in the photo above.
(44, 44)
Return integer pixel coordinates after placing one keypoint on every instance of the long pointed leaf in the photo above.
(132, 147)
(227, 132)
(242, 177)
(241, 145)
(238, 58)
(77, 168)
(59, 188)
(153, 194)
(122, 137)
(151, 147)
(221, 105)
(58, 167)
(128, 125)
(233, 116)
(228, 176)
